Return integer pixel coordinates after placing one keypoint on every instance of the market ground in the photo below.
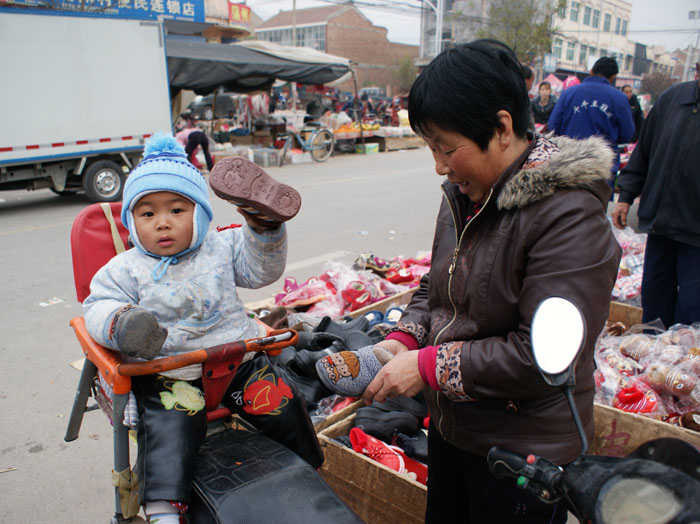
(384, 203)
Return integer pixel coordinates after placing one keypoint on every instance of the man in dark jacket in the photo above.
(636, 108)
(664, 169)
(595, 107)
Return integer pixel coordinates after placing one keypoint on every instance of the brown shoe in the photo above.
(245, 184)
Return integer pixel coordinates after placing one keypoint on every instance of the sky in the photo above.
(653, 22)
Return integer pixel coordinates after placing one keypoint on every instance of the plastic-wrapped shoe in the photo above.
(248, 186)
(390, 456)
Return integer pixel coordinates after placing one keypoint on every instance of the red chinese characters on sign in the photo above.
(238, 14)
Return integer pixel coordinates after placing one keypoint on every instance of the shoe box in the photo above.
(375, 492)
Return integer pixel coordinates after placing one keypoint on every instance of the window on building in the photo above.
(582, 55)
(606, 22)
(618, 25)
(556, 50)
(624, 28)
(562, 11)
(596, 19)
(628, 62)
(570, 48)
(603, 52)
(310, 36)
(587, 15)
(573, 14)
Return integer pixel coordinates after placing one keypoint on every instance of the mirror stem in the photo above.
(568, 391)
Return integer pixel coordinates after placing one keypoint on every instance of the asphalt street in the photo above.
(384, 203)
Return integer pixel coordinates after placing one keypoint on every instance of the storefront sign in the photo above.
(238, 15)
(188, 10)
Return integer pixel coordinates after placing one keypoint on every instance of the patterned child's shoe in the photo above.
(246, 185)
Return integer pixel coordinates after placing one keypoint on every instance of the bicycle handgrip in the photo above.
(504, 463)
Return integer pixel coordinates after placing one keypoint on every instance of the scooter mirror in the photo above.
(557, 334)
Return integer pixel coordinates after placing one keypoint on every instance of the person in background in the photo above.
(528, 76)
(664, 170)
(637, 113)
(543, 105)
(192, 138)
(595, 107)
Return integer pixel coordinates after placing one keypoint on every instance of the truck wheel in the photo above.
(104, 181)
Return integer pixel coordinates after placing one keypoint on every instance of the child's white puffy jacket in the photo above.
(196, 300)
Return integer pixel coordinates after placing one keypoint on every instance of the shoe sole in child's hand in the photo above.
(247, 185)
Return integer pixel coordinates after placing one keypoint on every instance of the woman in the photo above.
(522, 218)
(543, 105)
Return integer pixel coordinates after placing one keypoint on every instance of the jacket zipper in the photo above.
(458, 243)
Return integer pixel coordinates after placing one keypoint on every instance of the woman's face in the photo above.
(545, 91)
(464, 163)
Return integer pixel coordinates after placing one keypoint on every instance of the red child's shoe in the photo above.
(390, 456)
(356, 295)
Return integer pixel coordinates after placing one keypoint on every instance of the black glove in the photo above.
(138, 334)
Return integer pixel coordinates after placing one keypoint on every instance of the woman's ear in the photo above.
(504, 131)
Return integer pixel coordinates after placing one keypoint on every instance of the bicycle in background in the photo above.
(320, 143)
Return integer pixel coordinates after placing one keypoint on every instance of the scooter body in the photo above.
(659, 483)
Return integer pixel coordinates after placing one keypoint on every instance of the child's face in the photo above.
(163, 222)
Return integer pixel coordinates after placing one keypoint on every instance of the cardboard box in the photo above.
(262, 140)
(367, 149)
(241, 140)
(375, 492)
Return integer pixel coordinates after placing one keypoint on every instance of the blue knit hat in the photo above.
(166, 168)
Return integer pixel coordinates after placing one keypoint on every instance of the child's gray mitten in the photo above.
(138, 334)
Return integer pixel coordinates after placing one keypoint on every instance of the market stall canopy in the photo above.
(246, 66)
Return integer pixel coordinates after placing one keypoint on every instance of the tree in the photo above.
(655, 84)
(405, 74)
(524, 25)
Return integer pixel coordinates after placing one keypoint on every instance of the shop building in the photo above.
(342, 30)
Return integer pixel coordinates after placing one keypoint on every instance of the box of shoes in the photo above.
(377, 493)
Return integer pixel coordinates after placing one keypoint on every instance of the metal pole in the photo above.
(438, 27)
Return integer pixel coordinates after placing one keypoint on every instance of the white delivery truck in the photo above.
(79, 96)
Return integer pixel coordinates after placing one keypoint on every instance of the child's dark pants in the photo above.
(168, 439)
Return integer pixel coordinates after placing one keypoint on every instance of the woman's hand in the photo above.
(392, 346)
(399, 376)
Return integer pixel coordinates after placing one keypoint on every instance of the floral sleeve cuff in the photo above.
(449, 372)
(415, 330)
(426, 366)
(406, 339)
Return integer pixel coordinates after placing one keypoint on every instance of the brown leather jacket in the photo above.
(542, 232)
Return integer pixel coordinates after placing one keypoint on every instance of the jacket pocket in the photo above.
(197, 328)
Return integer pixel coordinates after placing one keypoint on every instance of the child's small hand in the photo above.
(138, 334)
(257, 224)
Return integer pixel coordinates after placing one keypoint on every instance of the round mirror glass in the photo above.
(556, 333)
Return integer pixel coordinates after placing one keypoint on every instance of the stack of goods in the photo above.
(628, 285)
(655, 375)
(341, 289)
(393, 434)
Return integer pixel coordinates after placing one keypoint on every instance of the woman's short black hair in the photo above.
(463, 89)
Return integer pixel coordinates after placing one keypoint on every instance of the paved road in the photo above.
(384, 203)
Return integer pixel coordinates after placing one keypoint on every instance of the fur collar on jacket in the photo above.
(580, 164)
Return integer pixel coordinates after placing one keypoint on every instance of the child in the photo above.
(176, 292)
